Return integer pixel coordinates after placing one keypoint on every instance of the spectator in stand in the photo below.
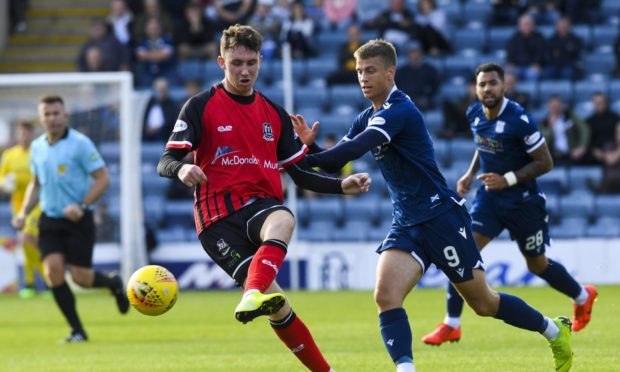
(268, 24)
(115, 56)
(314, 11)
(512, 93)
(566, 134)
(395, 24)
(152, 9)
(340, 14)
(544, 12)
(230, 12)
(160, 114)
(155, 55)
(602, 124)
(617, 54)
(583, 11)
(454, 113)
(94, 60)
(418, 79)
(299, 32)
(526, 50)
(195, 35)
(281, 10)
(610, 155)
(121, 20)
(346, 73)
(564, 48)
(432, 28)
(506, 12)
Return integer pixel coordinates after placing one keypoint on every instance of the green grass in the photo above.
(200, 334)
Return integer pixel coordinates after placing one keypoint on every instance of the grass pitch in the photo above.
(201, 334)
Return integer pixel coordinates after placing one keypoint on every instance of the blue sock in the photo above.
(396, 334)
(559, 279)
(454, 302)
(514, 311)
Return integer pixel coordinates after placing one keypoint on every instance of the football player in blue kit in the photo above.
(430, 222)
(510, 153)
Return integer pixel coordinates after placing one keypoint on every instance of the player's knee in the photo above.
(385, 299)
(536, 267)
(484, 305)
(54, 276)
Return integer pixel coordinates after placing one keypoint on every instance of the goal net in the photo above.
(104, 107)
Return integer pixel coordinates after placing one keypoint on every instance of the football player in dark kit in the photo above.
(430, 223)
(510, 153)
(240, 141)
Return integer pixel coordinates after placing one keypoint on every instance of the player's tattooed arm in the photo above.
(541, 163)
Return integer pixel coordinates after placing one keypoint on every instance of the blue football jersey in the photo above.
(503, 145)
(407, 160)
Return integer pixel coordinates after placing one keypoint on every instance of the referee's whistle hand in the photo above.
(192, 175)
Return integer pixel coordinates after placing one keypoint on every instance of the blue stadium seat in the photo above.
(361, 208)
(306, 96)
(151, 152)
(379, 232)
(577, 204)
(311, 114)
(173, 234)
(605, 227)
(329, 209)
(585, 177)
(586, 88)
(457, 65)
(477, 11)
(110, 151)
(442, 151)
(179, 213)
(153, 185)
(553, 206)
(451, 92)
(584, 32)
(562, 88)
(599, 63)
(337, 124)
(434, 121)
(554, 182)
(317, 231)
(530, 88)
(610, 7)
(499, 36)
(192, 69)
(569, 228)
(604, 35)
(385, 211)
(469, 38)
(355, 231)
(321, 67)
(614, 90)
(607, 206)
(546, 30)
(274, 93)
(349, 94)
(584, 108)
(461, 149)
(154, 209)
(330, 40)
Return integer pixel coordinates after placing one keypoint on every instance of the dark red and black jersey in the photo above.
(239, 142)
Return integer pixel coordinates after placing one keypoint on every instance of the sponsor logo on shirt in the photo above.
(488, 144)
(377, 120)
(224, 128)
(179, 126)
(267, 132)
(222, 151)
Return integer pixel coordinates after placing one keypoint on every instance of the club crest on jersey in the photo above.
(179, 126)
(267, 132)
(223, 247)
(499, 126)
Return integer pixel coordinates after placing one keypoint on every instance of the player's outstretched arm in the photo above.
(306, 135)
(356, 184)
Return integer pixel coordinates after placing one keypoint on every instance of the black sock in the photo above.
(66, 302)
(103, 280)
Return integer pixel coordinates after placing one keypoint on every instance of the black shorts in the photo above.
(75, 240)
(232, 242)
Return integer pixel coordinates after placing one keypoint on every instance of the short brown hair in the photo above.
(241, 35)
(490, 67)
(377, 48)
(50, 99)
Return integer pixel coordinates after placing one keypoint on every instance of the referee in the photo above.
(69, 176)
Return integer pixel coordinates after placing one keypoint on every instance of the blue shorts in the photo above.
(446, 241)
(526, 222)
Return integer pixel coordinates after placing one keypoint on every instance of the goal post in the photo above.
(87, 94)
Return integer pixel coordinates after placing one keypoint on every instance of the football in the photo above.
(152, 290)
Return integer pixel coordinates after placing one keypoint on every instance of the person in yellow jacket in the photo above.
(14, 178)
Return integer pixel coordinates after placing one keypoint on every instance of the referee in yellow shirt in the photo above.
(14, 178)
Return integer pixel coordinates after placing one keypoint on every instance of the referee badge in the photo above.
(267, 132)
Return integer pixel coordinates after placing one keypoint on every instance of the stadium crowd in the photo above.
(561, 58)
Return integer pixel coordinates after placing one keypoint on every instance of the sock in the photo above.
(559, 279)
(454, 303)
(405, 367)
(66, 302)
(514, 311)
(452, 321)
(103, 280)
(396, 334)
(296, 336)
(549, 329)
(265, 265)
(582, 297)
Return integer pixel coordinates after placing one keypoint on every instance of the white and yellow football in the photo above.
(152, 290)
